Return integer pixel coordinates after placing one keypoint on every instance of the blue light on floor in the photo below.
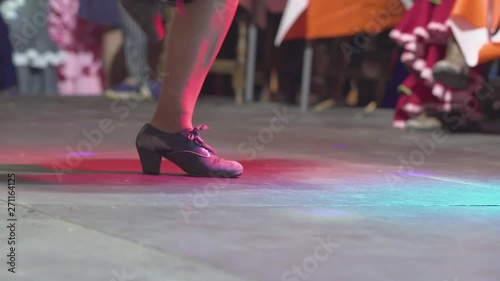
(410, 191)
(414, 173)
(340, 146)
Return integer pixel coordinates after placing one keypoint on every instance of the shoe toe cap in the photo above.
(227, 169)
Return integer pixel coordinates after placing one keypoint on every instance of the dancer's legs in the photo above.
(453, 70)
(194, 39)
(136, 44)
(112, 41)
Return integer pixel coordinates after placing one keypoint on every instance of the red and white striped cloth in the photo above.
(81, 72)
(424, 35)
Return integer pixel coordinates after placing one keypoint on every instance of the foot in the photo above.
(423, 123)
(154, 88)
(185, 149)
(451, 75)
(147, 14)
(125, 91)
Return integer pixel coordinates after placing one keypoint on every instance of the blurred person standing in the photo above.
(426, 103)
(35, 55)
(137, 84)
(81, 73)
(104, 13)
(8, 78)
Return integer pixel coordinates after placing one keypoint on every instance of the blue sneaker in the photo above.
(149, 91)
(154, 88)
(126, 91)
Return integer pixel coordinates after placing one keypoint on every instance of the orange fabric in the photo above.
(489, 52)
(475, 12)
(336, 18)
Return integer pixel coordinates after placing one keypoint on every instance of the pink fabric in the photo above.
(424, 34)
(81, 74)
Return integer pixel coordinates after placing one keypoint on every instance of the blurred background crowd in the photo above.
(433, 61)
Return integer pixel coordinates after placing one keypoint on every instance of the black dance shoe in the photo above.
(451, 75)
(186, 149)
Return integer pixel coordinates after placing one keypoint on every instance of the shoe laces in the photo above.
(194, 135)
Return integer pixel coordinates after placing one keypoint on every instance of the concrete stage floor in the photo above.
(331, 196)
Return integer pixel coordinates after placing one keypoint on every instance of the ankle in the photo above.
(171, 128)
(170, 122)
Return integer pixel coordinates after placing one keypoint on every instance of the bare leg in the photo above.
(194, 39)
(112, 42)
(193, 42)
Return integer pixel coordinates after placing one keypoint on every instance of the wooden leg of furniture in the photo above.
(238, 77)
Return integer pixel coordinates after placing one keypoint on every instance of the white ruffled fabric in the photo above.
(34, 58)
(9, 8)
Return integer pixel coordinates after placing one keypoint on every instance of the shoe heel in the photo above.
(150, 161)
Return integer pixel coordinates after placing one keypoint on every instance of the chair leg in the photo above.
(306, 76)
(269, 63)
(238, 78)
